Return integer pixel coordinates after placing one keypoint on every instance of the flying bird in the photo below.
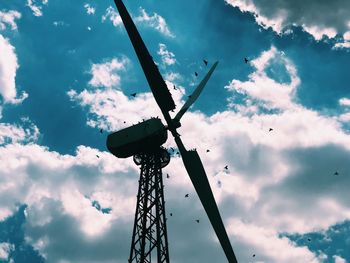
(246, 60)
(253, 255)
(97, 156)
(174, 87)
(171, 214)
(133, 94)
(219, 183)
(208, 150)
(196, 74)
(205, 62)
(226, 167)
(186, 195)
(167, 176)
(270, 129)
(197, 220)
(336, 173)
(124, 121)
(309, 239)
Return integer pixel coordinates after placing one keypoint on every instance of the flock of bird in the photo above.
(178, 153)
(195, 73)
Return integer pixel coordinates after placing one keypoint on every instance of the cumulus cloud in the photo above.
(89, 9)
(107, 74)
(271, 248)
(154, 21)
(168, 58)
(270, 187)
(8, 68)
(36, 6)
(113, 16)
(318, 18)
(344, 102)
(9, 18)
(272, 93)
(111, 109)
(338, 259)
(57, 190)
(15, 133)
(5, 249)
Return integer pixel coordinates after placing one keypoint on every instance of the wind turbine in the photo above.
(144, 142)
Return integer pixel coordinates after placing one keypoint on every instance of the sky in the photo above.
(281, 123)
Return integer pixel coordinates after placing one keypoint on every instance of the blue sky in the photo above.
(67, 70)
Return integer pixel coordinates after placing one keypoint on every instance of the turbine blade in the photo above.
(156, 82)
(195, 170)
(195, 94)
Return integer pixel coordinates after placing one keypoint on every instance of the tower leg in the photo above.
(149, 237)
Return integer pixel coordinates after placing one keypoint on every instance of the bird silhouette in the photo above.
(336, 173)
(171, 214)
(246, 60)
(270, 129)
(172, 149)
(208, 150)
(219, 183)
(97, 156)
(167, 176)
(226, 167)
(133, 94)
(253, 255)
(197, 220)
(101, 131)
(309, 239)
(196, 74)
(186, 195)
(124, 121)
(174, 87)
(205, 62)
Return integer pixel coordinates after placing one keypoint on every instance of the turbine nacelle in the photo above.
(146, 136)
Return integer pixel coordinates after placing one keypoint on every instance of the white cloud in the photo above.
(320, 19)
(113, 16)
(8, 68)
(346, 41)
(8, 18)
(12, 133)
(338, 259)
(5, 249)
(155, 21)
(345, 117)
(89, 9)
(269, 189)
(344, 102)
(107, 74)
(59, 23)
(271, 247)
(271, 92)
(110, 108)
(36, 7)
(58, 190)
(168, 58)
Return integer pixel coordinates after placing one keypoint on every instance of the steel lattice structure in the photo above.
(149, 237)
